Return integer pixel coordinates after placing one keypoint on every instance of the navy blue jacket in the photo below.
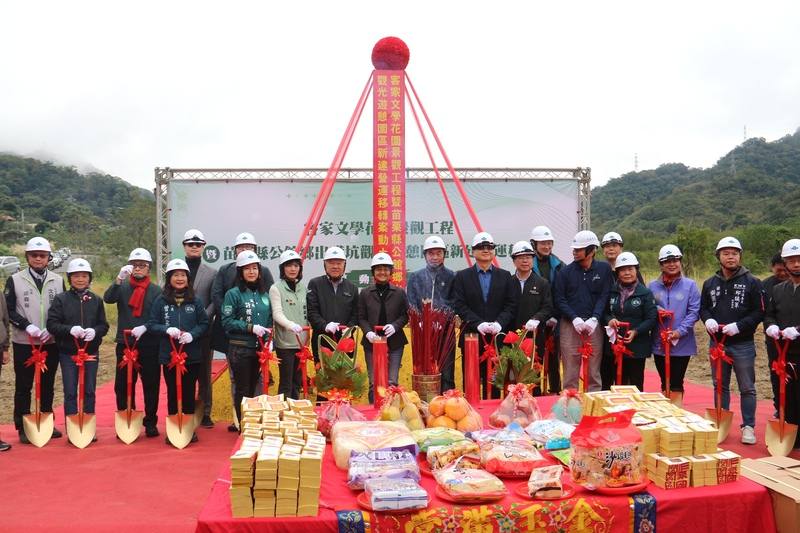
(739, 299)
(583, 293)
(189, 316)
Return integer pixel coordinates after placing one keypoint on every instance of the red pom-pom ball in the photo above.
(390, 53)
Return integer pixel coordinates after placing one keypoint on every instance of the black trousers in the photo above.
(23, 381)
(151, 382)
(244, 365)
(290, 380)
(677, 371)
(633, 371)
(188, 384)
(204, 388)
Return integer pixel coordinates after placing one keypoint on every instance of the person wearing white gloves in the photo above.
(582, 290)
(485, 298)
(383, 304)
(535, 298)
(178, 317)
(782, 321)
(134, 293)
(78, 315)
(732, 306)
(289, 305)
(246, 316)
(29, 294)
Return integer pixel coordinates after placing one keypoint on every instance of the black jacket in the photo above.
(323, 305)
(641, 311)
(120, 294)
(467, 299)
(68, 310)
(223, 282)
(534, 300)
(739, 299)
(783, 310)
(369, 305)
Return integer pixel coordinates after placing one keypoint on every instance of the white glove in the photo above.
(124, 272)
(332, 327)
(712, 326)
(89, 334)
(531, 324)
(590, 325)
(484, 328)
(790, 333)
(773, 331)
(730, 329)
(77, 332)
(612, 334)
(296, 328)
(259, 330)
(44, 336)
(174, 332)
(138, 331)
(33, 330)
(372, 336)
(578, 324)
(388, 330)
(496, 327)
(185, 338)
(551, 322)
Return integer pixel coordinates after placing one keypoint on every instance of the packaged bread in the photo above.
(514, 458)
(395, 494)
(607, 452)
(441, 456)
(471, 484)
(519, 406)
(553, 434)
(545, 482)
(365, 436)
(436, 437)
(386, 464)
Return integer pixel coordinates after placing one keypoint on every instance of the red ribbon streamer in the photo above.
(620, 350)
(80, 358)
(38, 360)
(665, 319)
(585, 351)
(265, 357)
(718, 356)
(489, 356)
(303, 356)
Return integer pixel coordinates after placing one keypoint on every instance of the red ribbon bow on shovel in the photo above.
(265, 357)
(585, 351)
(82, 356)
(177, 360)
(665, 319)
(489, 356)
(38, 360)
(303, 356)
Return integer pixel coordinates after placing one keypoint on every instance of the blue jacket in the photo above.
(683, 299)
(430, 281)
(583, 293)
(556, 265)
(739, 299)
(189, 316)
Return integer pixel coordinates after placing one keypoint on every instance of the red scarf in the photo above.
(136, 301)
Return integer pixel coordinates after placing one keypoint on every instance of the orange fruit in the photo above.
(456, 408)
(436, 407)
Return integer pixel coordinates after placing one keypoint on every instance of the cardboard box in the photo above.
(781, 475)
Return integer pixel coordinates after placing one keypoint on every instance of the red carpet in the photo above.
(151, 486)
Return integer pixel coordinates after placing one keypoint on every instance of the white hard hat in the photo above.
(729, 242)
(194, 235)
(245, 238)
(611, 237)
(625, 259)
(521, 248)
(482, 238)
(382, 258)
(177, 264)
(334, 252)
(433, 242)
(289, 255)
(790, 248)
(585, 238)
(667, 251)
(542, 233)
(79, 265)
(140, 254)
(38, 244)
(248, 257)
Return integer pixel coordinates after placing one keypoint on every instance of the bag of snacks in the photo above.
(568, 408)
(401, 406)
(451, 410)
(436, 437)
(335, 409)
(512, 432)
(519, 406)
(607, 451)
(553, 434)
(545, 482)
(388, 464)
(515, 458)
(347, 437)
(441, 456)
(469, 484)
(395, 494)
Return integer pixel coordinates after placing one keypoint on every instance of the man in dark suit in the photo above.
(201, 276)
(484, 297)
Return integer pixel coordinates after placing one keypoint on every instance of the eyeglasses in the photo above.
(140, 266)
(484, 247)
(38, 255)
(194, 244)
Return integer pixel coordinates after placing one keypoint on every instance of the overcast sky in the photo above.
(127, 87)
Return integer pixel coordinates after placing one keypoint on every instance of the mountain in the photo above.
(757, 183)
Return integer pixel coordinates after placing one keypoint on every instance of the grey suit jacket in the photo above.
(202, 287)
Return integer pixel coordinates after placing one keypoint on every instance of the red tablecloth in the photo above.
(742, 506)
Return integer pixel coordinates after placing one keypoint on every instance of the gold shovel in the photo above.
(81, 427)
(780, 435)
(38, 426)
(127, 422)
(721, 417)
(179, 428)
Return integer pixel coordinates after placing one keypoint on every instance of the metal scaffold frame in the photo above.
(163, 177)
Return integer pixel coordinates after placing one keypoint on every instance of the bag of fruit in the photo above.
(451, 410)
(404, 406)
(335, 409)
(519, 406)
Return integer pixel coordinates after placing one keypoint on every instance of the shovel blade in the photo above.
(81, 435)
(180, 430)
(777, 446)
(38, 433)
(128, 430)
(723, 422)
